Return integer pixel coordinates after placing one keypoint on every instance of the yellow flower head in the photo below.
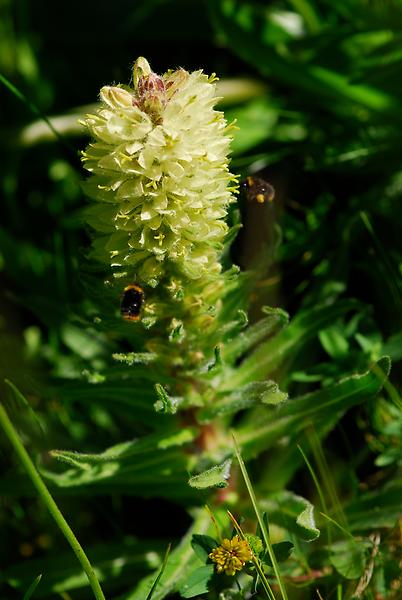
(231, 555)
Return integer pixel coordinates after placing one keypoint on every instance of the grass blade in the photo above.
(35, 110)
(260, 520)
(163, 567)
(50, 504)
(255, 560)
(32, 587)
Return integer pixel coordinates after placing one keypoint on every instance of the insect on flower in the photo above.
(258, 190)
(133, 297)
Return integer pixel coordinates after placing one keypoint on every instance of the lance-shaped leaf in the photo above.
(259, 392)
(154, 464)
(165, 403)
(319, 406)
(135, 358)
(244, 341)
(28, 594)
(269, 355)
(131, 398)
(121, 561)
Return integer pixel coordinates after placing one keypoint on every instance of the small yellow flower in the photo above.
(231, 555)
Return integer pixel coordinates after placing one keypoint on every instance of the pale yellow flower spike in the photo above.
(160, 157)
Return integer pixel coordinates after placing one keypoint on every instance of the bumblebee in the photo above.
(131, 303)
(258, 190)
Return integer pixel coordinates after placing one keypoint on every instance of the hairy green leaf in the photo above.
(260, 392)
(293, 513)
(275, 320)
(165, 403)
(271, 354)
(217, 476)
(322, 405)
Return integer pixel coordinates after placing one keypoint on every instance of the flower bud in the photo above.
(116, 97)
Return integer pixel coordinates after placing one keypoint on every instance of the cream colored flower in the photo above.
(159, 175)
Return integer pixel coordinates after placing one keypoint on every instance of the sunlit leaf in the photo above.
(217, 476)
(294, 513)
(348, 558)
(197, 582)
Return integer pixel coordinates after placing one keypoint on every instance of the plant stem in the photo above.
(261, 574)
(49, 502)
(260, 520)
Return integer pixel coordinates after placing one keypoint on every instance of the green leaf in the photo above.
(393, 455)
(244, 341)
(321, 406)
(231, 595)
(125, 450)
(28, 594)
(306, 521)
(182, 562)
(153, 464)
(334, 341)
(203, 546)
(61, 573)
(255, 122)
(255, 543)
(87, 344)
(393, 347)
(271, 354)
(197, 582)
(24, 409)
(348, 558)
(282, 551)
(294, 513)
(165, 403)
(217, 476)
(259, 392)
(252, 33)
(36, 111)
(135, 358)
(130, 398)
(381, 507)
(159, 575)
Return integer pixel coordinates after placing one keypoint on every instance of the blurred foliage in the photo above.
(316, 90)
